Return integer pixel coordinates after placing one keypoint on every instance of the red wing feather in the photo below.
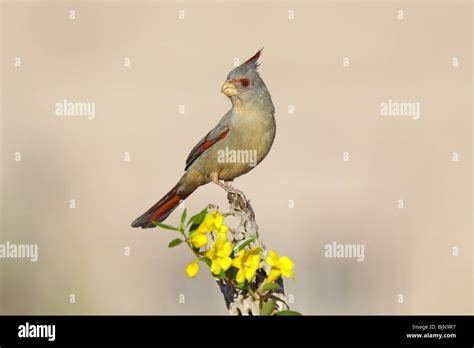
(210, 139)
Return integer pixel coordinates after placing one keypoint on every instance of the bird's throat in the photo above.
(248, 107)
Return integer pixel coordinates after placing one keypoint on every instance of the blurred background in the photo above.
(336, 173)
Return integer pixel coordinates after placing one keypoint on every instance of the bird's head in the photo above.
(244, 82)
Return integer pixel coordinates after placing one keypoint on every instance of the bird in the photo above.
(248, 128)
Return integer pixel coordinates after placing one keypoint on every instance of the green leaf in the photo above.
(242, 244)
(241, 285)
(270, 286)
(183, 216)
(288, 313)
(222, 275)
(165, 226)
(252, 293)
(196, 220)
(175, 242)
(206, 260)
(268, 307)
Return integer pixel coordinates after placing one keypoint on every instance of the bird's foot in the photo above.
(222, 184)
(233, 194)
(238, 196)
(234, 191)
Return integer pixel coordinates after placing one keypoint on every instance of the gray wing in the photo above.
(216, 134)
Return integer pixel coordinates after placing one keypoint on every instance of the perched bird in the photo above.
(248, 128)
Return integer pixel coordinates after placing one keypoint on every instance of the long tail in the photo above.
(161, 209)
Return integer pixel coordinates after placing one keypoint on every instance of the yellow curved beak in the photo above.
(229, 89)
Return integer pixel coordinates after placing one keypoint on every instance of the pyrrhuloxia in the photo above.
(247, 128)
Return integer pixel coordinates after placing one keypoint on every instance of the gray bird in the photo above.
(248, 128)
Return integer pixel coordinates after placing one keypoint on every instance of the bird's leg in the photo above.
(215, 180)
(226, 185)
(234, 190)
(223, 185)
(239, 195)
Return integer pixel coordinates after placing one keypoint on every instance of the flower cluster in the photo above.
(236, 265)
(223, 256)
(231, 262)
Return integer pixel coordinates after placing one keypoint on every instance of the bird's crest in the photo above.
(249, 65)
(254, 59)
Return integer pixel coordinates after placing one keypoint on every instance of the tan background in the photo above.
(408, 251)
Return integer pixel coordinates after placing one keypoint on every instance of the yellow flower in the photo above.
(223, 229)
(280, 266)
(219, 254)
(198, 239)
(192, 269)
(247, 262)
(213, 222)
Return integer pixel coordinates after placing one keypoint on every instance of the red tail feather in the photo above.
(161, 210)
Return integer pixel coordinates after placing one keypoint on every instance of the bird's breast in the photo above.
(254, 131)
(246, 145)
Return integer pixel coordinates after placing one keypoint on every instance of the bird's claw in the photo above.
(238, 194)
(233, 193)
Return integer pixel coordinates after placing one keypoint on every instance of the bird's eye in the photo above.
(245, 82)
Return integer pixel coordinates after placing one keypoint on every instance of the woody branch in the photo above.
(246, 301)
